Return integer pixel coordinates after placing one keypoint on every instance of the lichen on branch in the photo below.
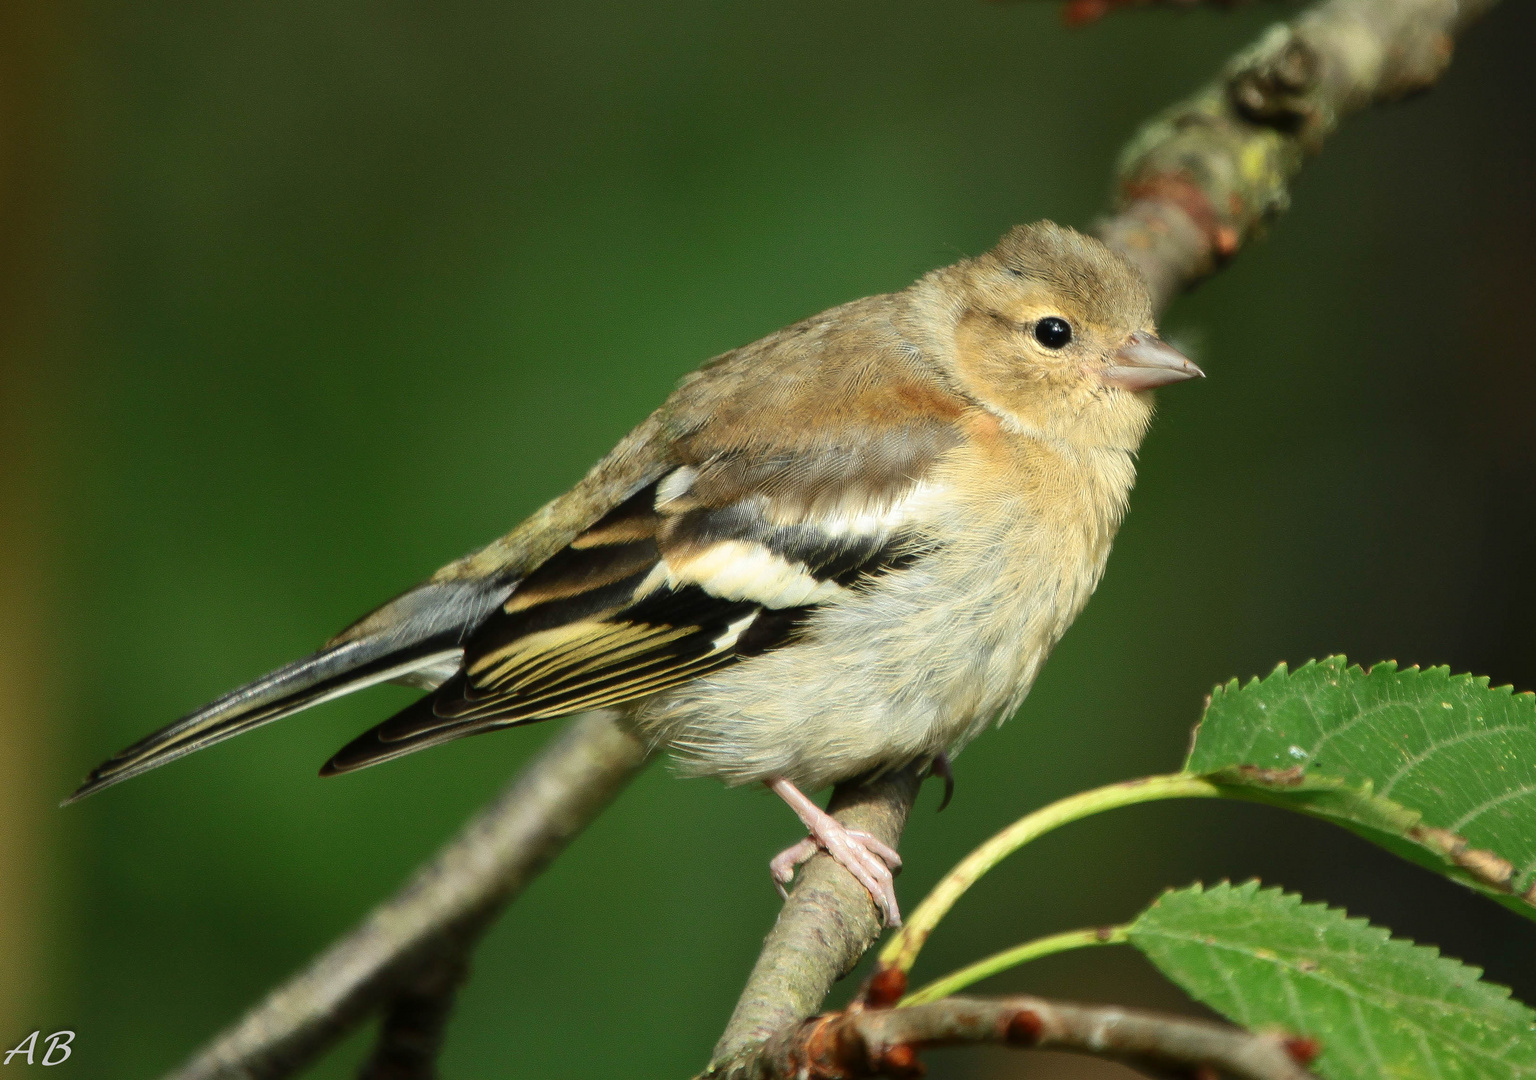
(1199, 180)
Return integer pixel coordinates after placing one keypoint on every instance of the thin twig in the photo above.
(886, 1042)
(440, 914)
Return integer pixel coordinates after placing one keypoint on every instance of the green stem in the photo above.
(901, 951)
(1019, 954)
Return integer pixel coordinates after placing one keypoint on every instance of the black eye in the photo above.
(1052, 332)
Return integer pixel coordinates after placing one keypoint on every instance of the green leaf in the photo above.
(1437, 768)
(1378, 1007)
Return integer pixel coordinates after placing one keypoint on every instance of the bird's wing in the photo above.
(798, 464)
(775, 464)
(715, 562)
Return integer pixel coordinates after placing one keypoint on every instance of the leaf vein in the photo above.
(1478, 811)
(1418, 759)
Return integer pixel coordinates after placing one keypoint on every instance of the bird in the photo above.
(845, 548)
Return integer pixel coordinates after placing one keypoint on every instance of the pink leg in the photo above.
(869, 860)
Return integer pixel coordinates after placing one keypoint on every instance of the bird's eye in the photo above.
(1052, 332)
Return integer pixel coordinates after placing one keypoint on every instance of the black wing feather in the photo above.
(609, 619)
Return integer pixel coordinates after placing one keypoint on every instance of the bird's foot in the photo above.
(871, 861)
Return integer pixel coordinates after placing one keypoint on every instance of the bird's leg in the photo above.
(872, 862)
(941, 768)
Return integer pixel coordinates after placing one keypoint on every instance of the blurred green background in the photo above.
(299, 301)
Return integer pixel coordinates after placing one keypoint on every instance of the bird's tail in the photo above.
(418, 634)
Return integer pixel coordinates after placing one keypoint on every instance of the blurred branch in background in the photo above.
(1194, 185)
(1083, 12)
(405, 958)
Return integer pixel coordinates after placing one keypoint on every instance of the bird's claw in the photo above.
(941, 768)
(872, 862)
(783, 865)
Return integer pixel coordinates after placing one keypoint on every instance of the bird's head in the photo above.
(1054, 333)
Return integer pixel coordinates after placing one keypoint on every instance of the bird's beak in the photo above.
(1146, 361)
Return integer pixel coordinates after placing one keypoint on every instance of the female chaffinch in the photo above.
(841, 549)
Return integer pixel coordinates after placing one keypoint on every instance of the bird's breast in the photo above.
(921, 659)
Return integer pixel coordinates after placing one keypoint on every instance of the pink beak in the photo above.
(1146, 361)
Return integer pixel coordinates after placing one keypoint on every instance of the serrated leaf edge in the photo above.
(1480, 867)
(1253, 888)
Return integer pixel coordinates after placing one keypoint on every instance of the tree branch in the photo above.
(827, 924)
(886, 1042)
(436, 919)
(1197, 182)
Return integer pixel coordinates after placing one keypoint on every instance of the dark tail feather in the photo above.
(327, 674)
(424, 627)
(370, 748)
